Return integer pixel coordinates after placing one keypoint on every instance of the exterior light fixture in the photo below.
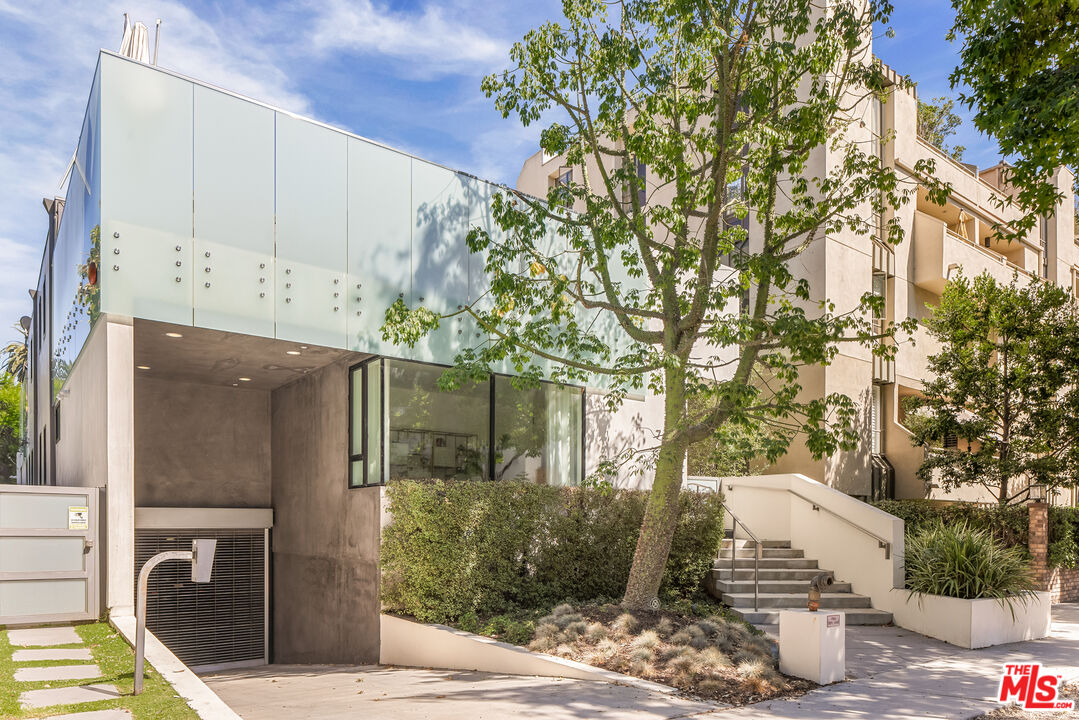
(245, 379)
(173, 334)
(143, 367)
(292, 352)
(303, 347)
(1038, 492)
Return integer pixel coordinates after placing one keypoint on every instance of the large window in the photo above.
(488, 430)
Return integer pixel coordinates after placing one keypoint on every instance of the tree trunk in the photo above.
(661, 512)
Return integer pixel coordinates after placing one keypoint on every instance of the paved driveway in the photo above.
(892, 673)
(312, 692)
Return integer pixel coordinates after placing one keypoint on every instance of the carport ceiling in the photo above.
(213, 357)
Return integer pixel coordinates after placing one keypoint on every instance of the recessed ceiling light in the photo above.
(292, 352)
(173, 334)
(303, 347)
(235, 384)
(143, 367)
(245, 379)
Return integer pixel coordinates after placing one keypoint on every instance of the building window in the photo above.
(365, 449)
(1045, 246)
(876, 421)
(487, 430)
(537, 433)
(951, 441)
(641, 184)
(562, 178)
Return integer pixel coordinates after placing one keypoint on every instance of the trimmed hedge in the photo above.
(458, 548)
(1009, 524)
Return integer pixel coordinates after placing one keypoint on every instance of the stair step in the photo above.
(766, 552)
(740, 543)
(796, 600)
(723, 572)
(774, 586)
(866, 616)
(766, 563)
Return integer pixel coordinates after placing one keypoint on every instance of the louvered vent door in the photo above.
(218, 623)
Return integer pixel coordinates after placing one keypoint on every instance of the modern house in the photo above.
(939, 242)
(206, 346)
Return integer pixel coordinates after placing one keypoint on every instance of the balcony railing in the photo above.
(939, 253)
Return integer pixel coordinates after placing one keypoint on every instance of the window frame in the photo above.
(361, 366)
(363, 458)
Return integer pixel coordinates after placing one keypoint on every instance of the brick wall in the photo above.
(1063, 584)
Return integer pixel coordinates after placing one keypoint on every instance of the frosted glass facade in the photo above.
(204, 208)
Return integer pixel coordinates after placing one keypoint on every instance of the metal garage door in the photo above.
(223, 622)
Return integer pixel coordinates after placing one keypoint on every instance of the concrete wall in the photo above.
(326, 536)
(96, 448)
(82, 452)
(200, 445)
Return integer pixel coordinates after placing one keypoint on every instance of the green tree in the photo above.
(1006, 385)
(10, 425)
(15, 356)
(937, 122)
(717, 108)
(1020, 61)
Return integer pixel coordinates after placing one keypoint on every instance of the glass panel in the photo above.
(42, 597)
(146, 209)
(41, 554)
(25, 510)
(374, 421)
(77, 254)
(312, 228)
(234, 214)
(435, 434)
(537, 433)
(356, 389)
(379, 241)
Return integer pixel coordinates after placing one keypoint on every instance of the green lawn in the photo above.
(112, 654)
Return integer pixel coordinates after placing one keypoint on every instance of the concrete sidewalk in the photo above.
(893, 674)
(899, 674)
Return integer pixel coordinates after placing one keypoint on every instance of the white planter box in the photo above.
(973, 623)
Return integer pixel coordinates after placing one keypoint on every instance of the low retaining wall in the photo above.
(412, 644)
(973, 623)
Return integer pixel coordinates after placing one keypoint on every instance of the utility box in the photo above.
(813, 645)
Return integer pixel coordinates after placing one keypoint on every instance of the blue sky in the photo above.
(404, 73)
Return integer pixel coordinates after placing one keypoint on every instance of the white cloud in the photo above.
(431, 43)
(20, 265)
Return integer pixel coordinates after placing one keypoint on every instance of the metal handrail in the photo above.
(883, 544)
(734, 548)
(756, 555)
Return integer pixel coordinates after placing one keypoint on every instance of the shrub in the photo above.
(457, 549)
(1010, 524)
(1063, 537)
(965, 562)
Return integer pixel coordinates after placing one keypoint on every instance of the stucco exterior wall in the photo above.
(326, 536)
(200, 445)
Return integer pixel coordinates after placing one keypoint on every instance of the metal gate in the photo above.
(48, 554)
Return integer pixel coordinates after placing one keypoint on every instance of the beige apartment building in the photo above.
(939, 242)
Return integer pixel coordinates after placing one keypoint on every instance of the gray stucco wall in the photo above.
(200, 445)
(326, 536)
(82, 452)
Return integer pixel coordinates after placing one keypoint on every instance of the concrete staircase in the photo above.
(784, 584)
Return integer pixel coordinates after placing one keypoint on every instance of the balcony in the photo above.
(939, 254)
